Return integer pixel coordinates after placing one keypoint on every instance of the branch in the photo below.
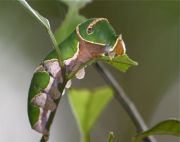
(45, 138)
(122, 98)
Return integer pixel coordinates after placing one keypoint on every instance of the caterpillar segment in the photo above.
(90, 40)
(43, 94)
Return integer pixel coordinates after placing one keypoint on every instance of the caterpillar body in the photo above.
(91, 39)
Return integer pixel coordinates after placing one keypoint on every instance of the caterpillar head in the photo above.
(98, 31)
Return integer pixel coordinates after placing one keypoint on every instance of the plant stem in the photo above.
(55, 44)
(85, 138)
(45, 138)
(110, 137)
(45, 23)
(123, 99)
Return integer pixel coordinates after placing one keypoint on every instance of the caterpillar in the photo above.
(90, 40)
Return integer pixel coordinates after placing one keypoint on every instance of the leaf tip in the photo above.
(111, 136)
(135, 63)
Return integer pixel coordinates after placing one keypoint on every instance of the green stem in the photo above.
(111, 137)
(45, 23)
(124, 100)
(45, 138)
(55, 44)
(85, 138)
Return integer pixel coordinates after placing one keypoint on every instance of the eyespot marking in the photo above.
(89, 30)
(90, 27)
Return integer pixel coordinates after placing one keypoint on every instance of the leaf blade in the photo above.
(167, 127)
(72, 17)
(38, 16)
(122, 63)
(87, 106)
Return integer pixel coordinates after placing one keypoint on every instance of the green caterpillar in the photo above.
(90, 40)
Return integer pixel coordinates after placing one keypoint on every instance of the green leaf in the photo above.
(76, 4)
(167, 127)
(43, 21)
(122, 63)
(73, 18)
(110, 137)
(87, 106)
(39, 17)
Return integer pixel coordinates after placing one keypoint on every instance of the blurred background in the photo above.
(150, 30)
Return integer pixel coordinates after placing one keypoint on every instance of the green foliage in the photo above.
(122, 63)
(87, 106)
(167, 127)
(73, 18)
(39, 17)
(76, 4)
(110, 137)
(43, 21)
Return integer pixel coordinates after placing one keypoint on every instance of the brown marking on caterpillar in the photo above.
(50, 104)
(53, 68)
(87, 51)
(54, 92)
(41, 123)
(44, 101)
(68, 61)
(39, 100)
(118, 48)
(90, 27)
